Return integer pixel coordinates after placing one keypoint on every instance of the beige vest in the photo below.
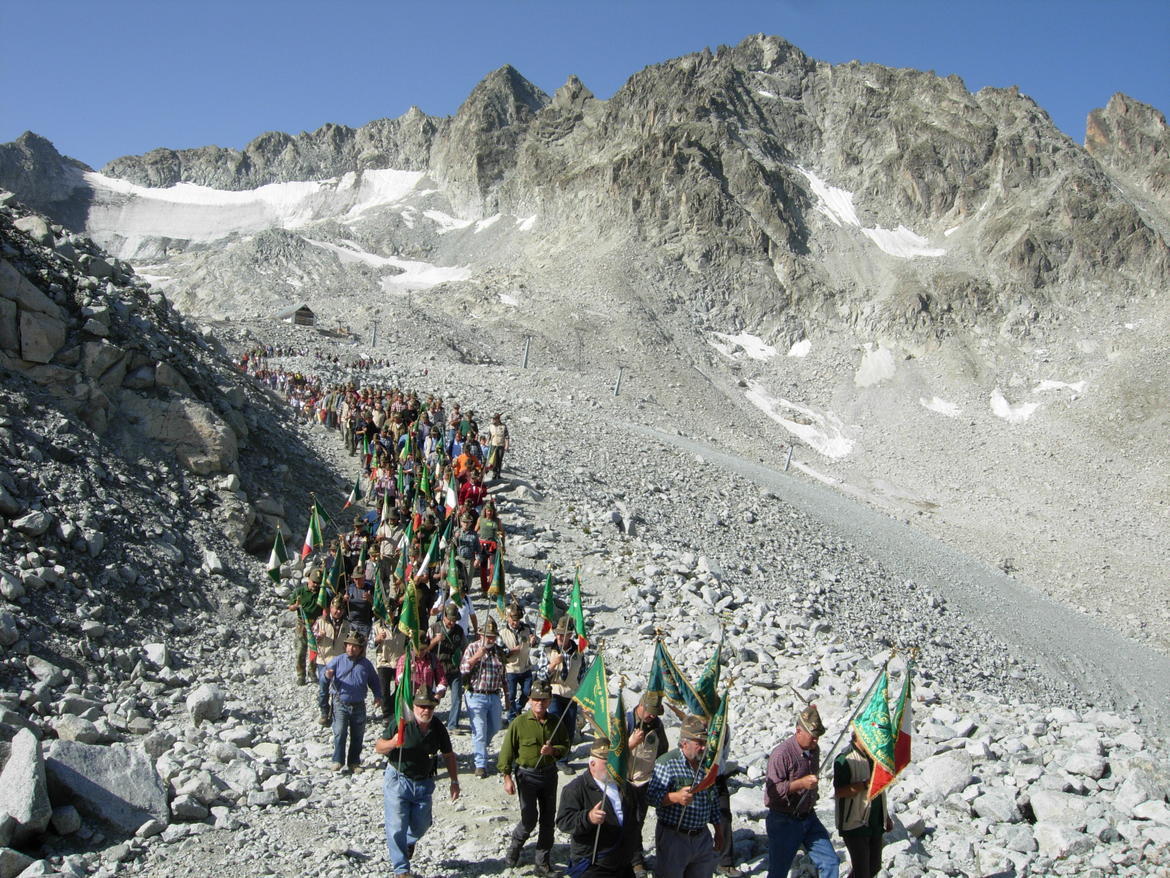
(567, 687)
(853, 812)
(521, 661)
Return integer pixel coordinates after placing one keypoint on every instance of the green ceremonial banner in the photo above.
(716, 744)
(576, 612)
(277, 557)
(408, 622)
(424, 483)
(874, 729)
(593, 696)
(404, 699)
(668, 680)
(454, 580)
(619, 756)
(705, 688)
(310, 637)
(497, 589)
(380, 610)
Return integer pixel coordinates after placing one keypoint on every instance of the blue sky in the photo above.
(104, 79)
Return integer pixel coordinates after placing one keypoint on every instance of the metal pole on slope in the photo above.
(374, 334)
(617, 387)
(788, 459)
(527, 345)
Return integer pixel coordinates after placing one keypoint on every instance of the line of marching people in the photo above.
(386, 610)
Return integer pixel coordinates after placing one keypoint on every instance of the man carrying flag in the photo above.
(684, 845)
(307, 606)
(600, 817)
(560, 664)
(862, 773)
(408, 785)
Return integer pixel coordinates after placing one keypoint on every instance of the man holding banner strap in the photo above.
(682, 841)
(790, 793)
(599, 815)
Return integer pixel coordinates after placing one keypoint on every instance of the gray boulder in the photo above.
(947, 773)
(23, 791)
(205, 703)
(998, 805)
(74, 728)
(117, 784)
(12, 863)
(34, 523)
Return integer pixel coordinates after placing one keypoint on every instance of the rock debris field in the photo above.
(150, 716)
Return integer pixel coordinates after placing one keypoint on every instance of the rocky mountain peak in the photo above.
(32, 166)
(1131, 139)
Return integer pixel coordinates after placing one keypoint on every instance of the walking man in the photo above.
(790, 793)
(518, 639)
(683, 843)
(483, 663)
(562, 666)
(331, 631)
(598, 815)
(350, 675)
(646, 743)
(304, 604)
(448, 641)
(409, 782)
(531, 747)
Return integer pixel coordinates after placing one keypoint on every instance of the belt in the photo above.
(691, 832)
(535, 770)
(485, 691)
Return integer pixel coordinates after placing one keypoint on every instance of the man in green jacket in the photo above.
(304, 604)
(532, 745)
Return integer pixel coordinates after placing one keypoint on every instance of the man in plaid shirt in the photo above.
(682, 841)
(483, 669)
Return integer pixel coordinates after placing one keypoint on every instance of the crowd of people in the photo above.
(429, 467)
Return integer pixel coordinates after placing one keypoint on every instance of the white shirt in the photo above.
(611, 793)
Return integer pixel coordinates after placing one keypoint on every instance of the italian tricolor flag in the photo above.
(882, 775)
(451, 496)
(313, 538)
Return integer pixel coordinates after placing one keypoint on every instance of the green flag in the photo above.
(277, 557)
(404, 698)
(668, 680)
(874, 729)
(454, 580)
(548, 604)
(709, 680)
(385, 508)
(618, 761)
(310, 637)
(432, 551)
(593, 696)
(324, 518)
(497, 589)
(408, 622)
(424, 483)
(577, 612)
(380, 609)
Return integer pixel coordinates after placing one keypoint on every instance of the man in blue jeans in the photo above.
(409, 783)
(483, 670)
(790, 792)
(349, 677)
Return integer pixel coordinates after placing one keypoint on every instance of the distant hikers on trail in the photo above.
(386, 609)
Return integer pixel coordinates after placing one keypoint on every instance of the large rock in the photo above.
(1058, 841)
(947, 773)
(34, 524)
(23, 791)
(1051, 806)
(37, 229)
(997, 805)
(205, 703)
(117, 784)
(12, 863)
(200, 439)
(41, 336)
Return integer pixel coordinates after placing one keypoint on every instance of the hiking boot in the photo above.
(410, 852)
(544, 869)
(640, 871)
(513, 856)
(301, 681)
(355, 767)
(323, 720)
(335, 766)
(479, 772)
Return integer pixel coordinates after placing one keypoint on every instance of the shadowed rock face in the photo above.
(1131, 139)
(709, 165)
(45, 180)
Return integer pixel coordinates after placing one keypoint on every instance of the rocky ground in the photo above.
(145, 650)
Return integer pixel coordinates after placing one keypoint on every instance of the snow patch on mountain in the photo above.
(937, 404)
(837, 205)
(130, 214)
(414, 275)
(744, 343)
(801, 348)
(824, 433)
(1013, 414)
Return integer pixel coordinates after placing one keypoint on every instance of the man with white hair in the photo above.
(600, 816)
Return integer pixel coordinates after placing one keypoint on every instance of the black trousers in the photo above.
(865, 855)
(643, 804)
(537, 791)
